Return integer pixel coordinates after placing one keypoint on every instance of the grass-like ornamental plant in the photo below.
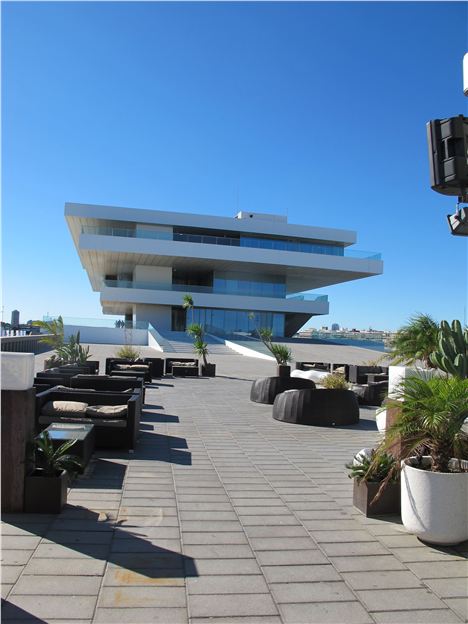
(431, 414)
(373, 468)
(281, 353)
(53, 461)
(127, 352)
(335, 381)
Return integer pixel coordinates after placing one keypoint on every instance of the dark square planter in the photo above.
(284, 370)
(208, 370)
(388, 503)
(45, 494)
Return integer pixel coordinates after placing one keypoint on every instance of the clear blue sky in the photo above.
(317, 110)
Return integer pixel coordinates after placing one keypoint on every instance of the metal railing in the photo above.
(25, 344)
(187, 288)
(255, 243)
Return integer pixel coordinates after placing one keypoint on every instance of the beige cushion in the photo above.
(123, 366)
(107, 411)
(140, 367)
(64, 408)
(340, 370)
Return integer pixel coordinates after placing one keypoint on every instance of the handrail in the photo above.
(243, 241)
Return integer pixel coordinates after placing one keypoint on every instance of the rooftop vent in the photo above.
(263, 216)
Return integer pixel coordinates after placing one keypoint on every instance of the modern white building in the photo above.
(246, 271)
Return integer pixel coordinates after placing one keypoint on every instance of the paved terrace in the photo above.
(225, 516)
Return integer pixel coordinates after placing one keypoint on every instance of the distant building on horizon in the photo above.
(243, 272)
(15, 318)
(335, 327)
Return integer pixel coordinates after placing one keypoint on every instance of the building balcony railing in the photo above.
(189, 289)
(244, 241)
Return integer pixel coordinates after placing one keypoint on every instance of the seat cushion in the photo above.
(142, 368)
(122, 366)
(107, 411)
(84, 420)
(64, 408)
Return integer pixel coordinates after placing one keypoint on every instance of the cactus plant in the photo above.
(451, 354)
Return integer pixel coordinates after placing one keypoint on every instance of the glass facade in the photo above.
(235, 322)
(291, 245)
(232, 283)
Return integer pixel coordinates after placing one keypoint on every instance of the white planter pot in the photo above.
(17, 371)
(381, 421)
(434, 505)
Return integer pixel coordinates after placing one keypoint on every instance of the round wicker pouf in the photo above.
(325, 408)
(266, 389)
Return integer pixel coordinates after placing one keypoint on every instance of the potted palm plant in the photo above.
(427, 436)
(369, 473)
(280, 352)
(201, 349)
(46, 486)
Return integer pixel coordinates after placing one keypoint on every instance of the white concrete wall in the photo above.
(108, 335)
(158, 315)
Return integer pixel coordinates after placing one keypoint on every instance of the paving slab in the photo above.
(222, 515)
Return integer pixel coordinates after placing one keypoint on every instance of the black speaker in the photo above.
(448, 151)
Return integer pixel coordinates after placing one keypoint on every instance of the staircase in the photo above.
(180, 342)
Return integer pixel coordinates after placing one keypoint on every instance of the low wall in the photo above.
(24, 344)
(108, 335)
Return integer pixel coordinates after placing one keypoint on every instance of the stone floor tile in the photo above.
(133, 597)
(213, 516)
(426, 553)
(300, 573)
(226, 605)
(227, 584)
(342, 536)
(77, 537)
(227, 566)
(276, 531)
(15, 557)
(321, 591)
(258, 619)
(73, 567)
(455, 587)
(214, 537)
(440, 569)
(52, 607)
(10, 574)
(193, 526)
(153, 577)
(351, 549)
(144, 545)
(460, 606)
(382, 579)
(6, 589)
(291, 557)
(222, 551)
(20, 542)
(417, 616)
(58, 585)
(325, 613)
(141, 616)
(399, 599)
(367, 563)
(282, 543)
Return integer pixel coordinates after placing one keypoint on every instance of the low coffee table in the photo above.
(83, 434)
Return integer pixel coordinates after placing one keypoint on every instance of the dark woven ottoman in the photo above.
(324, 408)
(266, 389)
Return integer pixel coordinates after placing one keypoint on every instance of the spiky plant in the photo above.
(196, 330)
(53, 461)
(187, 304)
(201, 349)
(451, 354)
(281, 353)
(373, 468)
(415, 341)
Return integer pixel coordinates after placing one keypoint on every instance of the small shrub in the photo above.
(335, 382)
(375, 468)
(281, 352)
(127, 352)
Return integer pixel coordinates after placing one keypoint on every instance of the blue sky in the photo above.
(317, 110)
